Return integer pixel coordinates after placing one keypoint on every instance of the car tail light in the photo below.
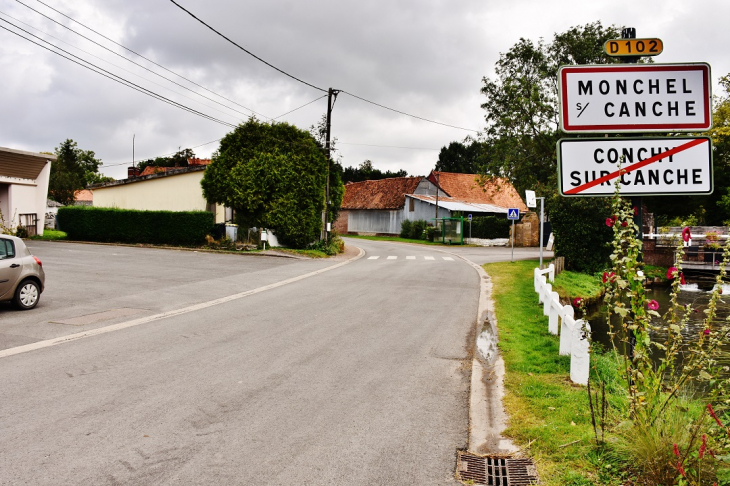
(38, 261)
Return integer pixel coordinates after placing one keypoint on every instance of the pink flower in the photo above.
(703, 447)
(609, 277)
(681, 280)
(577, 302)
(712, 414)
(609, 222)
(652, 305)
(636, 211)
(671, 273)
(686, 234)
(676, 450)
(706, 332)
(681, 470)
(624, 224)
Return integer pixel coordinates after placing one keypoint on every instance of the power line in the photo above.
(316, 87)
(408, 114)
(295, 109)
(389, 146)
(104, 60)
(112, 76)
(138, 64)
(246, 50)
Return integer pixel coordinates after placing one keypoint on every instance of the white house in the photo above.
(24, 178)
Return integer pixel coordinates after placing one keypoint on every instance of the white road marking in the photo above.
(392, 257)
(429, 258)
(448, 258)
(164, 315)
(410, 258)
(373, 258)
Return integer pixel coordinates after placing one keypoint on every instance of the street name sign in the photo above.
(635, 98)
(649, 166)
(633, 47)
(531, 200)
(513, 214)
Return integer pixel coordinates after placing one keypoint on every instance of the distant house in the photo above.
(162, 188)
(83, 197)
(380, 206)
(24, 178)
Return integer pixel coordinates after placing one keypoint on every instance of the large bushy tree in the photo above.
(73, 170)
(366, 172)
(461, 157)
(523, 127)
(274, 176)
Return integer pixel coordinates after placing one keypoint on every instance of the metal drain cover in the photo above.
(495, 471)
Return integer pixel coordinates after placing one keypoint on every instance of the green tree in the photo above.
(462, 157)
(523, 128)
(179, 159)
(273, 176)
(366, 172)
(73, 170)
(522, 104)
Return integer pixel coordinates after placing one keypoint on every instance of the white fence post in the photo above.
(541, 283)
(555, 309)
(566, 329)
(579, 353)
(551, 273)
(546, 299)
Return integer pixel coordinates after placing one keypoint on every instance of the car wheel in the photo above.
(27, 295)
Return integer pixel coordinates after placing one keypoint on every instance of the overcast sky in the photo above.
(425, 57)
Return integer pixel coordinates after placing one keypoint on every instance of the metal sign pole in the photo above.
(513, 241)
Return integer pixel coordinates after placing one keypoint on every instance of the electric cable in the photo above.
(313, 86)
(108, 62)
(113, 76)
(389, 146)
(140, 65)
(244, 49)
(295, 109)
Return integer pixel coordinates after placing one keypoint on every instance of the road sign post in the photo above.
(469, 225)
(513, 214)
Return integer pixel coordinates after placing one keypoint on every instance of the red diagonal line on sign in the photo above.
(636, 166)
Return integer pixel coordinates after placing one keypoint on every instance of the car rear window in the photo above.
(7, 249)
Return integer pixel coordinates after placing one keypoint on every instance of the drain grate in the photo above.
(495, 471)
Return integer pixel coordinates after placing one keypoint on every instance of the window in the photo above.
(7, 249)
(411, 204)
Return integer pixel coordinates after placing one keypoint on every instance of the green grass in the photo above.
(549, 416)
(651, 271)
(307, 253)
(399, 239)
(570, 285)
(50, 234)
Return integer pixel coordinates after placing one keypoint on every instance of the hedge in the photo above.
(488, 227)
(112, 225)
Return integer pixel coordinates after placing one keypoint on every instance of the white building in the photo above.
(24, 178)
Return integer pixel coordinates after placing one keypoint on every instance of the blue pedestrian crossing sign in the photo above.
(513, 214)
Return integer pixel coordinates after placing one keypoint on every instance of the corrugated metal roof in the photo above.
(453, 204)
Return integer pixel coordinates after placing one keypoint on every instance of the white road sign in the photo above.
(635, 98)
(649, 166)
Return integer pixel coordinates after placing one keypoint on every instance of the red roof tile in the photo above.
(466, 187)
(198, 161)
(83, 195)
(151, 169)
(381, 194)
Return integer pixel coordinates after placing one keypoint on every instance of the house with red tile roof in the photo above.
(380, 206)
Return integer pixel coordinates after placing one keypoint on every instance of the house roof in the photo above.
(151, 169)
(467, 188)
(169, 171)
(19, 164)
(453, 204)
(194, 161)
(84, 195)
(380, 194)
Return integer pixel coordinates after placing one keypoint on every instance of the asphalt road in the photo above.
(358, 375)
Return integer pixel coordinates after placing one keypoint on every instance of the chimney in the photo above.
(132, 172)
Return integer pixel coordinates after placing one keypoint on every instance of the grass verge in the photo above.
(549, 416)
(50, 234)
(570, 285)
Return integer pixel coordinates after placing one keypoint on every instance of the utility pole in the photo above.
(331, 98)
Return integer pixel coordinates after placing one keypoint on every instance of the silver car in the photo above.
(21, 274)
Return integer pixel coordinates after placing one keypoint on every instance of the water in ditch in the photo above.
(696, 294)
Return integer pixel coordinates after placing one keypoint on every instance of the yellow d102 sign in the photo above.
(633, 47)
